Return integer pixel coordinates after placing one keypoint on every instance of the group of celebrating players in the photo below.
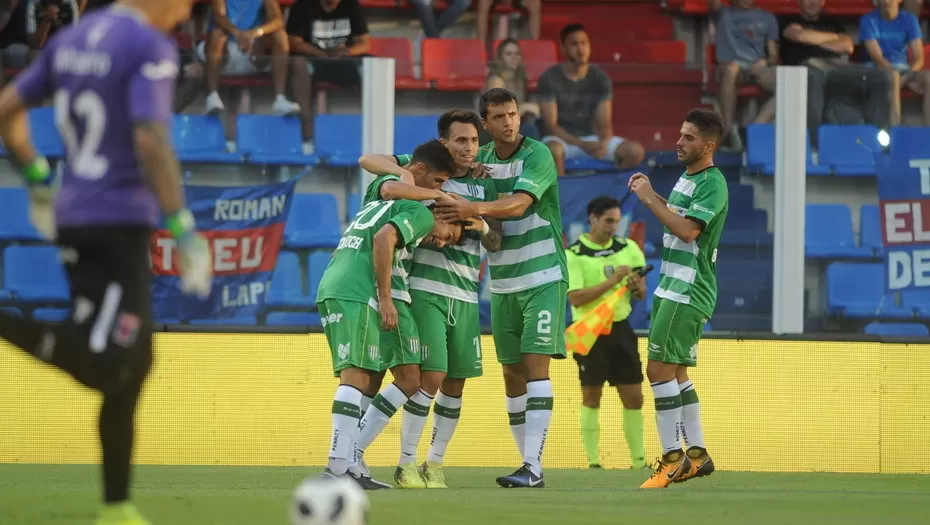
(400, 292)
(413, 266)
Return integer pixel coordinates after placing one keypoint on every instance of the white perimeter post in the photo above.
(377, 111)
(790, 198)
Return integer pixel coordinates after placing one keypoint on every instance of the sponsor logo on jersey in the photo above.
(343, 351)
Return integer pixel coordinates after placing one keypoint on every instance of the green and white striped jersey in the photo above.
(452, 271)
(403, 257)
(531, 254)
(689, 269)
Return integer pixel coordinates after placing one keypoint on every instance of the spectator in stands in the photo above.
(14, 50)
(7, 8)
(244, 34)
(575, 99)
(45, 17)
(889, 35)
(747, 51)
(507, 72)
(327, 37)
(819, 42)
(533, 10)
(432, 26)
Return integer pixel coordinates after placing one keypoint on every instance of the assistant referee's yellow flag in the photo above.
(581, 335)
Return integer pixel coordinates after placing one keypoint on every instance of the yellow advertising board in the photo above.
(265, 399)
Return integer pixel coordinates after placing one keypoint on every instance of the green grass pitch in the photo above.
(53, 494)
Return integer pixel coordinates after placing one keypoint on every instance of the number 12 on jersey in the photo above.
(84, 157)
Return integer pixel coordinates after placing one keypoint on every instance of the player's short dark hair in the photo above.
(461, 116)
(600, 205)
(569, 30)
(494, 97)
(708, 122)
(436, 156)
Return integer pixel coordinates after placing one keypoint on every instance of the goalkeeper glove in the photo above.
(42, 189)
(193, 255)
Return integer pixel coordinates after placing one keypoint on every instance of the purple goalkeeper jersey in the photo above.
(106, 74)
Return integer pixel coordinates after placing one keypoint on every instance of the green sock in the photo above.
(591, 433)
(633, 430)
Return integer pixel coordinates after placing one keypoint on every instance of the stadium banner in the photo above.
(244, 226)
(904, 209)
(266, 400)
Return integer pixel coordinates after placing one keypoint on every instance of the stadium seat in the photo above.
(353, 205)
(918, 300)
(287, 283)
(849, 150)
(293, 319)
(870, 230)
(339, 138)
(641, 52)
(744, 289)
(897, 329)
(909, 142)
(828, 233)
(747, 228)
(248, 320)
(760, 151)
(273, 140)
(50, 315)
(11, 311)
(857, 290)
(454, 64)
(201, 139)
(399, 49)
(412, 130)
(317, 264)
(313, 221)
(14, 216)
(45, 135)
(33, 274)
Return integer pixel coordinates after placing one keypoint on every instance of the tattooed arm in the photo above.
(495, 235)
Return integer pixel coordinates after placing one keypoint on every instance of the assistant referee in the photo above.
(599, 263)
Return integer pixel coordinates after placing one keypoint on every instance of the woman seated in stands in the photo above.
(507, 72)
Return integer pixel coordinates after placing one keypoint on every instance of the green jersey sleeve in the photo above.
(373, 192)
(709, 199)
(413, 221)
(403, 160)
(575, 270)
(538, 173)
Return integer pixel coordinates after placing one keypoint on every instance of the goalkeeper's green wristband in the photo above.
(180, 223)
(37, 171)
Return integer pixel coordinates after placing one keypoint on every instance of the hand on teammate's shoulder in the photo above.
(480, 171)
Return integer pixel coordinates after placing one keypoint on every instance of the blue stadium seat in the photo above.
(317, 265)
(339, 139)
(14, 216)
(313, 221)
(11, 311)
(744, 288)
(269, 139)
(201, 138)
(45, 135)
(849, 150)
(897, 329)
(293, 319)
(909, 143)
(589, 164)
(248, 320)
(50, 315)
(353, 205)
(748, 228)
(828, 233)
(919, 300)
(760, 151)
(287, 283)
(33, 274)
(857, 290)
(870, 230)
(412, 130)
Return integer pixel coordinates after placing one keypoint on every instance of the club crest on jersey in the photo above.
(609, 270)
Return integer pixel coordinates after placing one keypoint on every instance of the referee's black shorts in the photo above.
(614, 359)
(109, 331)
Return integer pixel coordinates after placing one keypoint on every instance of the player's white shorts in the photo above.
(237, 62)
(574, 152)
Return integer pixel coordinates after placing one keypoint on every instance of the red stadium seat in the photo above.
(641, 52)
(399, 49)
(538, 56)
(454, 64)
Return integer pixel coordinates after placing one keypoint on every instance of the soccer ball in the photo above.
(329, 501)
